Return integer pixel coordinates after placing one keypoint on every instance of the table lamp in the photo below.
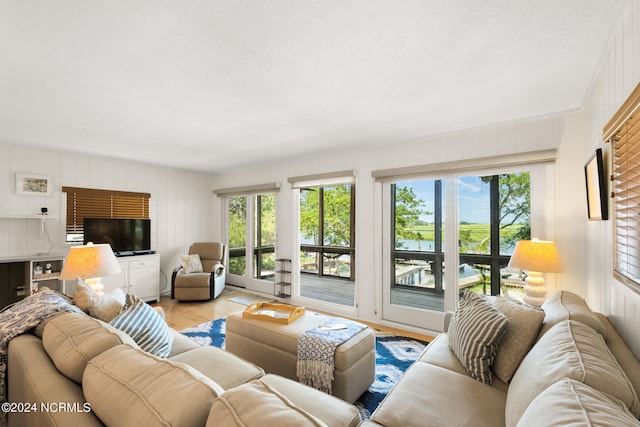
(536, 257)
(90, 263)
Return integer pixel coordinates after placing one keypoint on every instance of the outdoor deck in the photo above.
(342, 292)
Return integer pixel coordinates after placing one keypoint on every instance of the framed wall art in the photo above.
(32, 184)
(597, 204)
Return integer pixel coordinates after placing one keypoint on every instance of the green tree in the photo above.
(408, 209)
(267, 225)
(309, 214)
(515, 207)
(237, 233)
(336, 216)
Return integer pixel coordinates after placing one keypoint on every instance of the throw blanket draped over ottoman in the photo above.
(274, 347)
(317, 349)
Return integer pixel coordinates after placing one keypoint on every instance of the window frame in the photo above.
(623, 132)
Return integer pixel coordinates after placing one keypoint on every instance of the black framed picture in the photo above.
(594, 173)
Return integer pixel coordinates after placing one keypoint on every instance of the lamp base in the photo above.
(535, 291)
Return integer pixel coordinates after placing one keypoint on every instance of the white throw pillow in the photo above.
(191, 263)
(104, 307)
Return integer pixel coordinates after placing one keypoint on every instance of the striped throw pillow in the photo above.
(147, 328)
(474, 334)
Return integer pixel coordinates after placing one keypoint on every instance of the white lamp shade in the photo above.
(90, 261)
(536, 255)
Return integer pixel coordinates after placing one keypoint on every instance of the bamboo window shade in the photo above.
(623, 131)
(91, 203)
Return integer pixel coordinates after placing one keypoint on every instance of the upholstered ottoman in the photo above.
(274, 347)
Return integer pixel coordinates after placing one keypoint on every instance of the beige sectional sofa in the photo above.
(578, 372)
(75, 370)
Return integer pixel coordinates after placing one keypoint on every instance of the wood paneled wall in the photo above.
(618, 76)
(180, 205)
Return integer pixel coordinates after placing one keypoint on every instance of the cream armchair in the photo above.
(203, 283)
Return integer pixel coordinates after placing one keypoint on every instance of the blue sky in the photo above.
(473, 197)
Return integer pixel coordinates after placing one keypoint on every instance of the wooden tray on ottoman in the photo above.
(273, 312)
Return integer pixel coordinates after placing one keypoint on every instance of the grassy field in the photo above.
(475, 232)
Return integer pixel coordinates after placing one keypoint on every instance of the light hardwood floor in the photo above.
(184, 314)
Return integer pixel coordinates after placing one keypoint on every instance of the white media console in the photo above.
(140, 276)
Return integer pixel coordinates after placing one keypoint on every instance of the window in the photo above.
(251, 237)
(237, 235)
(623, 131)
(327, 217)
(91, 203)
(264, 238)
(494, 213)
(452, 226)
(264, 232)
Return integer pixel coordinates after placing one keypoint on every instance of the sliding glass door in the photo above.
(251, 239)
(449, 234)
(327, 243)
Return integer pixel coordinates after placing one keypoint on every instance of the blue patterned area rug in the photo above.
(394, 354)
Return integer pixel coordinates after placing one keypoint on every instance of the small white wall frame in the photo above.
(32, 184)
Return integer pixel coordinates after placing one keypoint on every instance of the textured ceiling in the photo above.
(212, 85)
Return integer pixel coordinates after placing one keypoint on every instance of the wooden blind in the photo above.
(623, 131)
(91, 203)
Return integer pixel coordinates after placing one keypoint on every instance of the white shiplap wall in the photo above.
(618, 76)
(180, 205)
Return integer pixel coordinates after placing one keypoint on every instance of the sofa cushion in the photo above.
(147, 328)
(621, 351)
(331, 410)
(565, 305)
(568, 350)
(191, 263)
(569, 402)
(428, 395)
(128, 387)
(208, 360)
(72, 339)
(246, 406)
(474, 335)
(524, 324)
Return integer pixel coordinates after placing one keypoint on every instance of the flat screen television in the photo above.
(126, 236)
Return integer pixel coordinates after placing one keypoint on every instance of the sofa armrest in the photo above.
(33, 377)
